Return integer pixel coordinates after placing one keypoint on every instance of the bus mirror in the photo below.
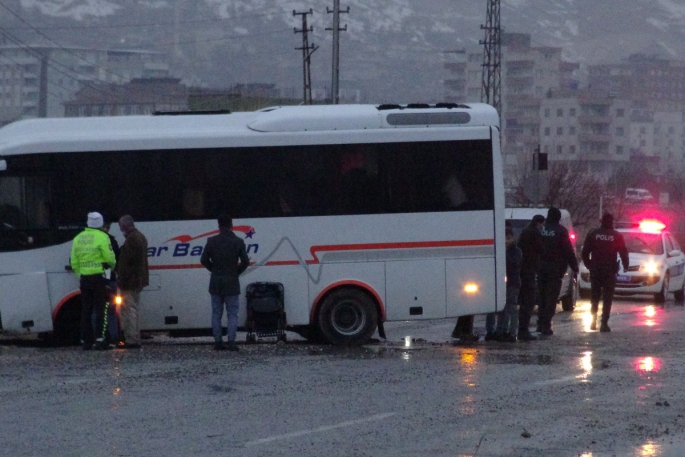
(3, 165)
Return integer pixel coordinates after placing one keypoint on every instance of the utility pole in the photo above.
(307, 52)
(491, 88)
(335, 95)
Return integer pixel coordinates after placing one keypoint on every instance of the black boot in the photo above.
(525, 335)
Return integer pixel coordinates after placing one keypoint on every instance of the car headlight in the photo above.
(650, 268)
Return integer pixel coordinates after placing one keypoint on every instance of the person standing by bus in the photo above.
(507, 319)
(556, 254)
(132, 277)
(599, 255)
(225, 257)
(530, 243)
(91, 254)
(111, 327)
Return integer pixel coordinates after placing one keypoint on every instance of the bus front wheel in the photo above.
(67, 324)
(347, 317)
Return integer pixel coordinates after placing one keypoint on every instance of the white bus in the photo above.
(365, 214)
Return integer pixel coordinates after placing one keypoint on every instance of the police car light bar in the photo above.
(651, 226)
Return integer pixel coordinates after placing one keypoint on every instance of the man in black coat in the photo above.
(226, 258)
(557, 253)
(599, 255)
(530, 243)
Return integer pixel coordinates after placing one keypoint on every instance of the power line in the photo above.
(68, 51)
(491, 87)
(335, 91)
(138, 25)
(32, 51)
(307, 51)
(233, 37)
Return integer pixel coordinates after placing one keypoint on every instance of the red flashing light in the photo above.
(573, 236)
(652, 226)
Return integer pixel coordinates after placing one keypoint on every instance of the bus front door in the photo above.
(25, 303)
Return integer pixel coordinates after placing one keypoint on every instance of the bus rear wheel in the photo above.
(347, 317)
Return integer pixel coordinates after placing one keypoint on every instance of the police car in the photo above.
(657, 264)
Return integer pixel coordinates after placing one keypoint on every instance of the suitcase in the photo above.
(265, 311)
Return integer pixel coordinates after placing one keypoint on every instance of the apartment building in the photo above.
(138, 96)
(529, 75)
(581, 126)
(650, 80)
(35, 81)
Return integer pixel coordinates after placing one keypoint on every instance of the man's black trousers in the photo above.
(602, 285)
(527, 299)
(549, 286)
(93, 299)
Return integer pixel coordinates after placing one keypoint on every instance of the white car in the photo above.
(519, 218)
(657, 264)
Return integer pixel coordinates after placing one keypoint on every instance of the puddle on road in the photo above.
(518, 359)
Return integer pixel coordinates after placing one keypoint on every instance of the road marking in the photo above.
(326, 428)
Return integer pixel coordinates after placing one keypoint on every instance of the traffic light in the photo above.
(542, 161)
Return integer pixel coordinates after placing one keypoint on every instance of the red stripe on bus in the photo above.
(314, 250)
(348, 282)
(62, 302)
(282, 262)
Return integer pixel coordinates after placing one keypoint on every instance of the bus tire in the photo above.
(67, 324)
(308, 332)
(347, 317)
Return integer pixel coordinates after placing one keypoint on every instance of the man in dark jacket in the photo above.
(557, 253)
(132, 277)
(226, 258)
(530, 243)
(599, 255)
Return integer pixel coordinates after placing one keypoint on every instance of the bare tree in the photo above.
(568, 188)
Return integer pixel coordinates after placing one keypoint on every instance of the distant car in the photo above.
(642, 195)
(519, 218)
(657, 264)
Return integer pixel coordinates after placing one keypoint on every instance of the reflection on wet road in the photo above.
(578, 393)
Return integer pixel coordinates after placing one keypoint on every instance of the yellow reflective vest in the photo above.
(91, 248)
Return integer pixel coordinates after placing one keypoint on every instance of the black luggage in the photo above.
(265, 311)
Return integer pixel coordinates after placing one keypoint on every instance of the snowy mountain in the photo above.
(391, 50)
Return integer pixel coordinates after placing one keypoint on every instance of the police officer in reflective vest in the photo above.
(599, 255)
(557, 253)
(91, 254)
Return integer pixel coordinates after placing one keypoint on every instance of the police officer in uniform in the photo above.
(599, 255)
(91, 254)
(530, 243)
(557, 253)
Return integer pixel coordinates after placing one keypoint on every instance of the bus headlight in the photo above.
(118, 300)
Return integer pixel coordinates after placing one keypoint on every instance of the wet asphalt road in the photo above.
(578, 393)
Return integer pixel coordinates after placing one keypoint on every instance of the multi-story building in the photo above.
(591, 130)
(139, 96)
(35, 81)
(658, 136)
(653, 81)
(529, 75)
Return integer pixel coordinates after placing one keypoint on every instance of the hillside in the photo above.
(391, 49)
